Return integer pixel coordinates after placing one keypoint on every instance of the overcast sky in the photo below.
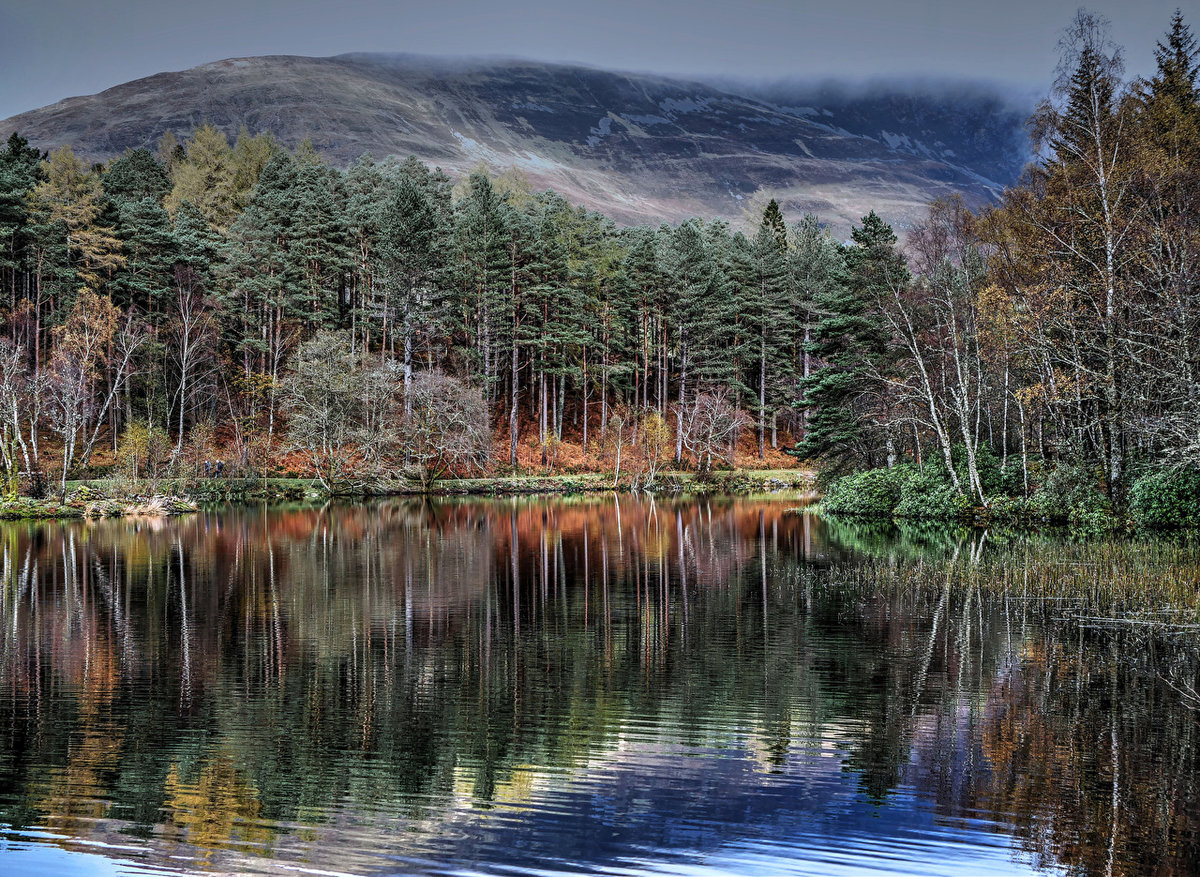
(51, 49)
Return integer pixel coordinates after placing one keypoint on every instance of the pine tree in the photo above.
(150, 252)
(815, 267)
(367, 191)
(318, 244)
(134, 176)
(1178, 66)
(560, 288)
(767, 308)
(721, 333)
(690, 269)
(1170, 117)
(772, 221)
(262, 283)
(844, 396)
(643, 285)
(19, 173)
(481, 235)
(410, 246)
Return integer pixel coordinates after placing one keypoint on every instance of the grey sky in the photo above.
(51, 49)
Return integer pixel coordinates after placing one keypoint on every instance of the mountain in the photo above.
(642, 148)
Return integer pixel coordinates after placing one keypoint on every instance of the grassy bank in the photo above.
(737, 482)
(104, 497)
(85, 504)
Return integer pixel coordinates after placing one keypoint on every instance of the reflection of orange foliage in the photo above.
(296, 580)
(220, 810)
(76, 790)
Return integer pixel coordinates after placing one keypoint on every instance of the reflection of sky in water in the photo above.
(675, 811)
(653, 809)
(23, 858)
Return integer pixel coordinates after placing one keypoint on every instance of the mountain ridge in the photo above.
(640, 147)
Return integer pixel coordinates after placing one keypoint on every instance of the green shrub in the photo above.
(1069, 493)
(928, 495)
(1011, 481)
(871, 494)
(1009, 509)
(986, 464)
(826, 477)
(1091, 520)
(1166, 498)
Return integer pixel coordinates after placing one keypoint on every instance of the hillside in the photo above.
(641, 148)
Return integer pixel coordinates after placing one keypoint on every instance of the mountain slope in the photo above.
(642, 148)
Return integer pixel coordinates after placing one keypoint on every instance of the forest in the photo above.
(254, 304)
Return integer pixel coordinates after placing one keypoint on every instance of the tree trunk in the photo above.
(512, 410)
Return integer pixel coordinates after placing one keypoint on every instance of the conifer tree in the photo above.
(263, 284)
(559, 291)
(367, 191)
(318, 243)
(815, 265)
(767, 307)
(849, 337)
(410, 246)
(19, 173)
(481, 235)
(1170, 117)
(1178, 66)
(136, 175)
(204, 175)
(773, 221)
(150, 252)
(643, 285)
(68, 202)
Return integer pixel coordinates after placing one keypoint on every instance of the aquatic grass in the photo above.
(1146, 582)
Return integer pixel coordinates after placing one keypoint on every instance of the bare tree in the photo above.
(709, 427)
(613, 438)
(21, 399)
(654, 437)
(191, 329)
(446, 426)
(126, 343)
(70, 404)
(936, 323)
(323, 396)
(82, 344)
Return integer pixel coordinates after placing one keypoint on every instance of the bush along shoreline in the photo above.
(1065, 495)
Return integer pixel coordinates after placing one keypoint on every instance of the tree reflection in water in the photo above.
(516, 682)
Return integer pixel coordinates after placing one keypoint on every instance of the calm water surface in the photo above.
(574, 686)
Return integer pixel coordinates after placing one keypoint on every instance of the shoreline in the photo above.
(75, 508)
(90, 499)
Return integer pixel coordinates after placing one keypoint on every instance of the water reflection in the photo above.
(579, 685)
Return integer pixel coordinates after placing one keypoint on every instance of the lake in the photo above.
(592, 685)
